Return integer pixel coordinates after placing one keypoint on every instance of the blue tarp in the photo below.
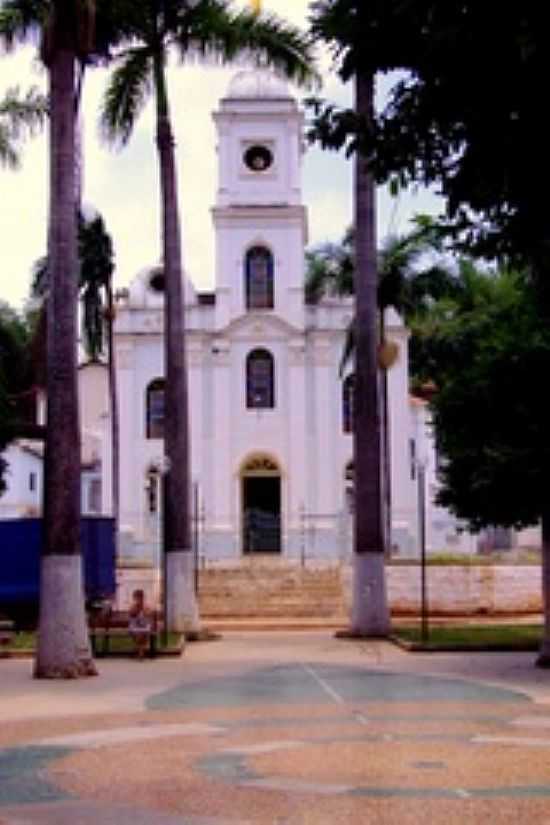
(20, 544)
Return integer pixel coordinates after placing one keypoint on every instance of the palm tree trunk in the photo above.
(386, 442)
(182, 610)
(63, 649)
(370, 614)
(113, 405)
(543, 659)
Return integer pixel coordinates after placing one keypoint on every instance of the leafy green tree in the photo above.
(16, 377)
(489, 354)
(209, 29)
(470, 126)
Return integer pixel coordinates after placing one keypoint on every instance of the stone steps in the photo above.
(268, 591)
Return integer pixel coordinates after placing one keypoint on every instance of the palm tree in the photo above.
(95, 251)
(67, 38)
(409, 279)
(17, 115)
(370, 612)
(203, 28)
(94, 275)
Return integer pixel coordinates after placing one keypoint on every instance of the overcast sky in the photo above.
(123, 185)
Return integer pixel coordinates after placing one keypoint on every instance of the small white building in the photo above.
(24, 479)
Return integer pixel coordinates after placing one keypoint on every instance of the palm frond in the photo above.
(20, 18)
(211, 30)
(23, 112)
(127, 92)
(8, 154)
(329, 271)
(19, 114)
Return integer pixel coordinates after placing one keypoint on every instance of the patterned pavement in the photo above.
(290, 729)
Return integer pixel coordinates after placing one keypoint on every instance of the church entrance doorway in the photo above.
(261, 498)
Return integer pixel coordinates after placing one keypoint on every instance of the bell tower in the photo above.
(259, 219)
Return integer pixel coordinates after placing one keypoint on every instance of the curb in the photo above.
(418, 647)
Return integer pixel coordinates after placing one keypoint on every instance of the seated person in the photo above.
(139, 622)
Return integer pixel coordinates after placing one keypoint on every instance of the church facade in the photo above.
(270, 416)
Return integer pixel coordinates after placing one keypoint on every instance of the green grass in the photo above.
(505, 557)
(475, 637)
(26, 640)
(125, 645)
(23, 640)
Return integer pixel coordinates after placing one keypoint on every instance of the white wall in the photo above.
(19, 499)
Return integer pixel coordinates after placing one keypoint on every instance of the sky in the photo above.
(123, 184)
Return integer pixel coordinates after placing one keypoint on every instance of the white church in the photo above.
(270, 416)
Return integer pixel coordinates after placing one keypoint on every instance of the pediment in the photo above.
(252, 326)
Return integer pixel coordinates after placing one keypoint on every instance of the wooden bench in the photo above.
(106, 624)
(7, 633)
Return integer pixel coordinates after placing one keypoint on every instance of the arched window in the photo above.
(260, 380)
(259, 278)
(347, 403)
(154, 423)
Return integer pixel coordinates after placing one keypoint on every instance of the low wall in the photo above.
(462, 589)
(452, 589)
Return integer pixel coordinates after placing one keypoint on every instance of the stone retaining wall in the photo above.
(458, 589)
(452, 589)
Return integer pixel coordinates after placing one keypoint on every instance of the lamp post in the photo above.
(196, 533)
(162, 466)
(421, 476)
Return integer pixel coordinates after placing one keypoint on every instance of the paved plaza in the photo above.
(291, 728)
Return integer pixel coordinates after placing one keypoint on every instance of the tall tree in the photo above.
(95, 284)
(191, 28)
(471, 127)
(67, 39)
(370, 614)
(488, 353)
(338, 23)
(96, 267)
(409, 279)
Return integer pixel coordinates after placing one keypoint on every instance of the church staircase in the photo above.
(263, 590)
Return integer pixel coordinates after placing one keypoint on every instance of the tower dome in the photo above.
(258, 84)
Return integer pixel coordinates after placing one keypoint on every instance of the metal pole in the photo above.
(164, 477)
(196, 533)
(302, 535)
(422, 536)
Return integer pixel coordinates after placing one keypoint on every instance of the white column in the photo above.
(128, 401)
(222, 467)
(328, 474)
(298, 425)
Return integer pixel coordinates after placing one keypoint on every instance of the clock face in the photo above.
(258, 158)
